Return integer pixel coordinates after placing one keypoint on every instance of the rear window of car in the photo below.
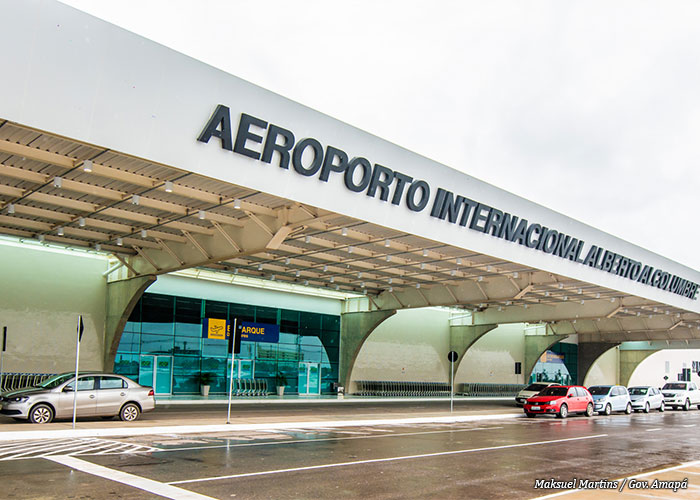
(639, 391)
(675, 386)
(599, 390)
(535, 387)
(555, 391)
(111, 383)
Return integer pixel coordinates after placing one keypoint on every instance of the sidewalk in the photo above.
(188, 416)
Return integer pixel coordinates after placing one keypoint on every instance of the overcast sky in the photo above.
(589, 108)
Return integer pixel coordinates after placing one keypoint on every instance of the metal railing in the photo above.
(250, 387)
(483, 389)
(14, 381)
(391, 388)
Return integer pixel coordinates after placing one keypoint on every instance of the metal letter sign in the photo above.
(259, 332)
(217, 329)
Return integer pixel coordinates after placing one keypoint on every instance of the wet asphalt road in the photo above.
(493, 459)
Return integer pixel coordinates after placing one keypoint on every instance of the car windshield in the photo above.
(554, 391)
(638, 391)
(599, 390)
(675, 387)
(535, 387)
(56, 380)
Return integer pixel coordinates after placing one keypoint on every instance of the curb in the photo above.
(197, 429)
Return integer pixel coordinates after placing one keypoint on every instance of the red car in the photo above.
(560, 400)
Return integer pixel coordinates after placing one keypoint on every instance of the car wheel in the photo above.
(589, 410)
(646, 407)
(608, 409)
(129, 412)
(686, 406)
(41, 414)
(662, 407)
(563, 411)
(628, 409)
(530, 415)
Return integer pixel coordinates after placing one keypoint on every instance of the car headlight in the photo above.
(17, 399)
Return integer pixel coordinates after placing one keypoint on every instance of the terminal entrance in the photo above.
(157, 372)
(309, 379)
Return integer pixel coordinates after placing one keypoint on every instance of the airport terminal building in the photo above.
(176, 208)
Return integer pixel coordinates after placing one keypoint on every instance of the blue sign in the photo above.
(259, 332)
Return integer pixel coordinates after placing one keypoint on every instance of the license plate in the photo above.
(535, 408)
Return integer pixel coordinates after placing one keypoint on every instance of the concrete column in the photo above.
(535, 345)
(629, 361)
(122, 297)
(588, 354)
(462, 337)
(355, 327)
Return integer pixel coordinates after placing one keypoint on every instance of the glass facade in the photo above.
(558, 364)
(162, 344)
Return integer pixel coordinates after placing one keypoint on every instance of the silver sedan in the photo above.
(98, 394)
(646, 398)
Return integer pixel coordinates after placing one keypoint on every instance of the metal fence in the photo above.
(14, 381)
(474, 389)
(390, 388)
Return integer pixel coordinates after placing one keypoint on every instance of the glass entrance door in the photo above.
(309, 378)
(156, 372)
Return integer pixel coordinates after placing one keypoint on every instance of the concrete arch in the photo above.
(588, 354)
(355, 328)
(535, 346)
(462, 337)
(122, 297)
(629, 362)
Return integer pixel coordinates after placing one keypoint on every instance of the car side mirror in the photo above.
(570, 396)
(67, 389)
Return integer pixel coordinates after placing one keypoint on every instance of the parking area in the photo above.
(494, 458)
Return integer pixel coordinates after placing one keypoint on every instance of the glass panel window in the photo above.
(162, 344)
(266, 351)
(214, 347)
(157, 313)
(184, 370)
(188, 330)
(188, 311)
(130, 342)
(242, 312)
(126, 364)
(266, 315)
(289, 322)
(310, 353)
(188, 346)
(215, 309)
(288, 338)
(287, 352)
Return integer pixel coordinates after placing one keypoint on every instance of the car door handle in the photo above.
(122, 393)
(92, 396)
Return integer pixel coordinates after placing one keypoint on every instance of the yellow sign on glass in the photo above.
(215, 329)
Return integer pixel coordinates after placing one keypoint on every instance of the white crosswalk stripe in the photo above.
(40, 448)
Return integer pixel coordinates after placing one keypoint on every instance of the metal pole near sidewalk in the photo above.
(78, 337)
(2, 352)
(230, 383)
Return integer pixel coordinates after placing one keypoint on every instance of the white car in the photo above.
(610, 398)
(681, 395)
(645, 398)
(531, 390)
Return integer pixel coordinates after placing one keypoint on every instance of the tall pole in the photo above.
(452, 385)
(78, 336)
(2, 351)
(230, 382)
(75, 384)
